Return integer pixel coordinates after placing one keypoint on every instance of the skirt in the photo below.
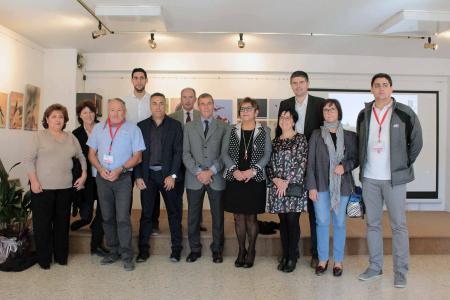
(245, 198)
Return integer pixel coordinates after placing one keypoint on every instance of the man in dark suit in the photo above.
(204, 141)
(158, 172)
(310, 117)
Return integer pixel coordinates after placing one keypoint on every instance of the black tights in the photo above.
(246, 226)
(290, 234)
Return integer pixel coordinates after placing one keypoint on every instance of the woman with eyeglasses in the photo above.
(333, 154)
(245, 160)
(287, 195)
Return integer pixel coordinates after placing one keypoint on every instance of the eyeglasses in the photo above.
(330, 110)
(380, 85)
(246, 108)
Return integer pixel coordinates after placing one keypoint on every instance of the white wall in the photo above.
(266, 75)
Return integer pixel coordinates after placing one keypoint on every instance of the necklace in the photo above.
(247, 145)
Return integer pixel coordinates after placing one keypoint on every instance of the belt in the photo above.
(155, 168)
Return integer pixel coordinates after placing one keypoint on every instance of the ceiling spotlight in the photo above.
(151, 41)
(100, 32)
(430, 45)
(241, 43)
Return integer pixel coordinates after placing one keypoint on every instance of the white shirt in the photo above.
(378, 164)
(191, 114)
(138, 109)
(301, 111)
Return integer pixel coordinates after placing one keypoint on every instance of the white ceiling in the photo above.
(65, 24)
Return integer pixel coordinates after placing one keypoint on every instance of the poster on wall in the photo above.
(3, 109)
(15, 110)
(94, 98)
(223, 110)
(31, 112)
(262, 104)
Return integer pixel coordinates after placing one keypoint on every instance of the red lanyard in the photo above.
(113, 135)
(378, 121)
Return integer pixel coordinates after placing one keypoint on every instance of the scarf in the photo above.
(336, 155)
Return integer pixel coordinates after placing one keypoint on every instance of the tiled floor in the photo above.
(84, 278)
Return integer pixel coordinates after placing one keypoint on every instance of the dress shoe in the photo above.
(175, 256)
(202, 228)
(240, 260)
(217, 257)
(282, 263)
(249, 259)
(290, 266)
(128, 265)
(45, 267)
(193, 256)
(109, 259)
(142, 257)
(100, 251)
(314, 262)
(337, 271)
(78, 224)
(321, 270)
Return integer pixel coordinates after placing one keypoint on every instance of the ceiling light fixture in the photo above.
(241, 43)
(100, 32)
(430, 45)
(151, 41)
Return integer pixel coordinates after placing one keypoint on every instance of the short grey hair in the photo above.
(118, 100)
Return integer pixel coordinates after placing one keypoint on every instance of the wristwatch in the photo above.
(124, 170)
(174, 176)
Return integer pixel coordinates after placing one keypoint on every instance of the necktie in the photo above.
(188, 118)
(206, 127)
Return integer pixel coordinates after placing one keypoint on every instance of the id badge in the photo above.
(378, 147)
(108, 159)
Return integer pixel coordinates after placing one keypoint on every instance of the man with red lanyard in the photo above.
(115, 147)
(390, 139)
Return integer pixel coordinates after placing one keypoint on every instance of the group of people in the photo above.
(306, 167)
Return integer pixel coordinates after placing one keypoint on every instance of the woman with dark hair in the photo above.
(245, 161)
(86, 113)
(333, 154)
(287, 195)
(49, 169)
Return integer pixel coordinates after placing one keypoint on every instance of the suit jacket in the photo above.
(179, 116)
(313, 117)
(200, 152)
(172, 149)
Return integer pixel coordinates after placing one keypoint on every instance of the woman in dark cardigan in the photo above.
(86, 113)
(333, 154)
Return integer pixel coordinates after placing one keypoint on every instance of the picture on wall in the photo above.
(32, 100)
(3, 109)
(94, 98)
(262, 104)
(274, 106)
(223, 110)
(15, 110)
(175, 104)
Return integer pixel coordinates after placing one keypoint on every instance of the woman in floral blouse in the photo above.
(287, 197)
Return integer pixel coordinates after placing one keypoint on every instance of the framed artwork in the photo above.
(223, 110)
(31, 113)
(175, 104)
(262, 103)
(3, 109)
(15, 110)
(274, 106)
(94, 98)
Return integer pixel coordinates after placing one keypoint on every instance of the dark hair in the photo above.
(335, 103)
(249, 100)
(89, 104)
(206, 95)
(52, 108)
(381, 75)
(138, 70)
(299, 74)
(158, 95)
(294, 115)
(187, 89)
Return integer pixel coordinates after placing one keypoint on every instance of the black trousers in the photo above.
(312, 226)
(51, 217)
(290, 234)
(155, 185)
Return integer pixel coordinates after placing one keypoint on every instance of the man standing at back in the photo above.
(203, 144)
(310, 117)
(390, 139)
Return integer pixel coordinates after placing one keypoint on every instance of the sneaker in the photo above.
(370, 274)
(399, 280)
(128, 265)
(175, 256)
(109, 259)
(156, 231)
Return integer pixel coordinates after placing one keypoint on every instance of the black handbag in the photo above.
(294, 190)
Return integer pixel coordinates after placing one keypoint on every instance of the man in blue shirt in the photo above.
(115, 147)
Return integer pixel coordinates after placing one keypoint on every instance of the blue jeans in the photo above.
(322, 208)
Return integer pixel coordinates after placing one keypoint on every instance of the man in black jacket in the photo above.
(158, 172)
(310, 117)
